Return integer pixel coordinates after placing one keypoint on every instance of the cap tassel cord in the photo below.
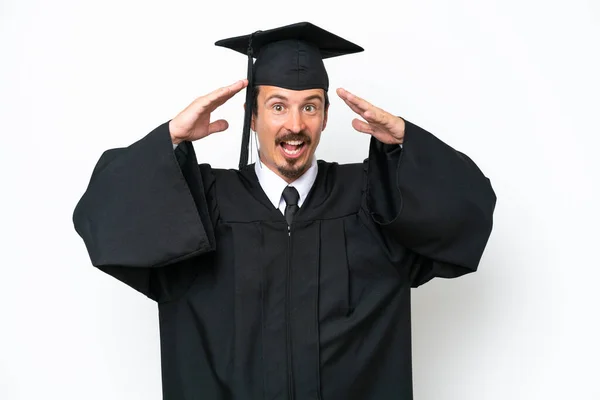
(249, 106)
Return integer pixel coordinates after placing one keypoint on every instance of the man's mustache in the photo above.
(302, 136)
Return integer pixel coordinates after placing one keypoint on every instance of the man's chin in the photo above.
(293, 169)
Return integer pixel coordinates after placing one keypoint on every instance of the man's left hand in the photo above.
(382, 125)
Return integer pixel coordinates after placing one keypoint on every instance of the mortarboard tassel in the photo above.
(249, 107)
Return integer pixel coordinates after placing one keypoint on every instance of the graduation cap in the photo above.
(290, 57)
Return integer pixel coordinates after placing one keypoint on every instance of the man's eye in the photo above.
(278, 107)
(310, 108)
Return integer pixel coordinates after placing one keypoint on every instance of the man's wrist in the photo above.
(174, 139)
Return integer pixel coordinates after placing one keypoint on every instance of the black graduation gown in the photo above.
(248, 311)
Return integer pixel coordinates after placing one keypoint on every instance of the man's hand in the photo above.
(385, 127)
(193, 123)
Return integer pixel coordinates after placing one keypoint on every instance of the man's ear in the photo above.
(325, 117)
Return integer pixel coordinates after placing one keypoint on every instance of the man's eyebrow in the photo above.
(282, 97)
(314, 97)
(276, 96)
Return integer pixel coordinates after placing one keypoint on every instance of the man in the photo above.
(289, 278)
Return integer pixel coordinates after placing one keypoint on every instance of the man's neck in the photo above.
(273, 183)
(279, 174)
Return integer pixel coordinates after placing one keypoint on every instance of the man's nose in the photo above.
(295, 122)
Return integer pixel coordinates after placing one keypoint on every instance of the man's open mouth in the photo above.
(292, 147)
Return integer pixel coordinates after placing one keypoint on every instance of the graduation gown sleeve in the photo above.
(431, 199)
(145, 215)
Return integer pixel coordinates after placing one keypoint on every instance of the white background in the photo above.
(514, 84)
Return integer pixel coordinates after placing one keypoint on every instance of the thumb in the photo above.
(362, 126)
(217, 126)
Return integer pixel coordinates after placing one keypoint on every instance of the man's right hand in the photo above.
(193, 123)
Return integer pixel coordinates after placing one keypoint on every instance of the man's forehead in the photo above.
(267, 92)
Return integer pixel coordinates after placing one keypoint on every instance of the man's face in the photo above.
(289, 125)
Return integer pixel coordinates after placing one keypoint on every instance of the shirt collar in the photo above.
(273, 185)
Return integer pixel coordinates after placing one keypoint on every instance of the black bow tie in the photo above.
(291, 197)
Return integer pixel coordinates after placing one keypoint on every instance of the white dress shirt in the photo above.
(273, 185)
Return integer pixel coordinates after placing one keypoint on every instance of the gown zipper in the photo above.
(287, 317)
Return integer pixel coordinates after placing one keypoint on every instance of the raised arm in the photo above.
(424, 195)
(148, 211)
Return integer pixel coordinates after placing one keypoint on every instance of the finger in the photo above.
(354, 108)
(367, 110)
(362, 126)
(226, 90)
(378, 116)
(357, 101)
(371, 115)
(237, 86)
(217, 126)
(218, 97)
(378, 134)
